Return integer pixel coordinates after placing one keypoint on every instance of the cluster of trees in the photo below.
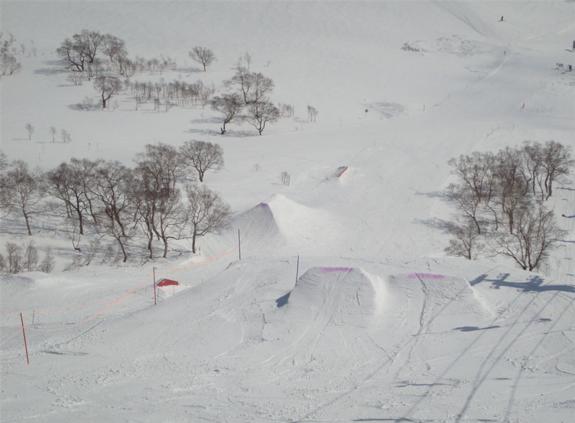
(157, 200)
(104, 57)
(172, 93)
(247, 99)
(25, 259)
(92, 52)
(9, 63)
(65, 136)
(500, 198)
(155, 64)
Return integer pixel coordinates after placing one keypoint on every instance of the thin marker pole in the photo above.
(297, 270)
(25, 341)
(239, 246)
(155, 297)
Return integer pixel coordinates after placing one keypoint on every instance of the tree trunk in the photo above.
(476, 225)
(119, 238)
(103, 102)
(80, 221)
(194, 234)
(165, 240)
(26, 218)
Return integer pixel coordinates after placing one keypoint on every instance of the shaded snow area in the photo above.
(344, 306)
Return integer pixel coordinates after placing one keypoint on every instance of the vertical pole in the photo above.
(239, 246)
(25, 341)
(155, 297)
(297, 270)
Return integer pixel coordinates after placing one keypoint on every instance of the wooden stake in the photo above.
(25, 341)
(239, 246)
(297, 270)
(155, 296)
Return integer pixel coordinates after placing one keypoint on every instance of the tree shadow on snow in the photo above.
(207, 120)
(533, 284)
(442, 195)
(54, 67)
(442, 225)
(229, 133)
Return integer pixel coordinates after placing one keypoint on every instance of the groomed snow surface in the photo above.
(377, 325)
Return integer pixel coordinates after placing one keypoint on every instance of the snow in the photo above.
(379, 325)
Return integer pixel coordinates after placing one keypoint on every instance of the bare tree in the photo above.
(260, 114)
(532, 168)
(312, 113)
(65, 136)
(68, 183)
(107, 86)
(202, 55)
(535, 234)
(241, 80)
(14, 259)
(81, 50)
(114, 49)
(20, 192)
(53, 132)
(47, 264)
(229, 105)
(262, 86)
(207, 212)
(113, 189)
(3, 161)
(9, 63)
(556, 162)
(202, 156)
(158, 170)
(30, 258)
(254, 87)
(72, 55)
(172, 218)
(513, 194)
(466, 241)
(90, 42)
(29, 130)
(467, 203)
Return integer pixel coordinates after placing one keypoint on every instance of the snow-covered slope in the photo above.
(379, 325)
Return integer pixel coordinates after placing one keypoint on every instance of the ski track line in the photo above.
(389, 359)
(481, 379)
(321, 320)
(519, 374)
(422, 325)
(442, 375)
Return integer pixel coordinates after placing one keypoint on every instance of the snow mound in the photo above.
(336, 295)
(446, 302)
(258, 227)
(282, 222)
(301, 225)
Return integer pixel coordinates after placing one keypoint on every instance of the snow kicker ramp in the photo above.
(335, 295)
(282, 222)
